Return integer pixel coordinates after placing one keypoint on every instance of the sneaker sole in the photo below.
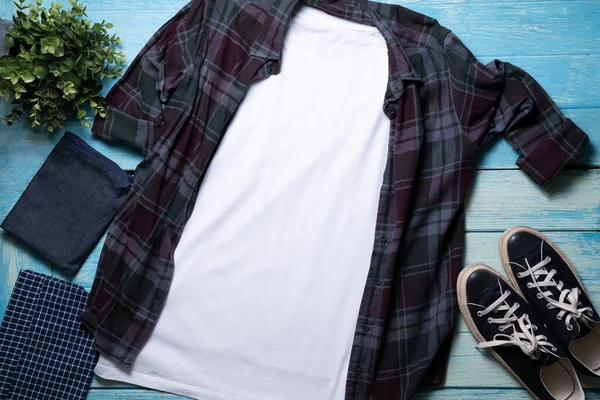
(464, 310)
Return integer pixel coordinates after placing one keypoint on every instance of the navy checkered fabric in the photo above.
(45, 353)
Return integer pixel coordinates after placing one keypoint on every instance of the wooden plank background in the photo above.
(557, 41)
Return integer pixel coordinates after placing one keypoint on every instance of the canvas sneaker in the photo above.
(505, 325)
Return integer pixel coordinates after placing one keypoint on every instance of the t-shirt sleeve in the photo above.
(136, 101)
(500, 98)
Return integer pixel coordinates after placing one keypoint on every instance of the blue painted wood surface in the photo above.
(557, 41)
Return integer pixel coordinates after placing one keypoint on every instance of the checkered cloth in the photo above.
(45, 353)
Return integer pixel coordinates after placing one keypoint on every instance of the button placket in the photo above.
(362, 362)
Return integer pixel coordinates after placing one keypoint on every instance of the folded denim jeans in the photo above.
(69, 203)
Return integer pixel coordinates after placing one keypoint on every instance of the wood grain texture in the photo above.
(449, 394)
(6, 9)
(556, 41)
(489, 28)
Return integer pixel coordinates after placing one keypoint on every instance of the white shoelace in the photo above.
(568, 300)
(522, 334)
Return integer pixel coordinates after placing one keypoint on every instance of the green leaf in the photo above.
(27, 76)
(109, 25)
(40, 71)
(49, 44)
(10, 42)
(12, 30)
(66, 65)
(87, 125)
(59, 4)
(81, 114)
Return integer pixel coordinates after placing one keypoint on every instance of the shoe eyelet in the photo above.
(508, 291)
(479, 313)
(525, 315)
(554, 349)
(559, 317)
(519, 275)
(489, 320)
(590, 312)
(539, 296)
(501, 329)
(570, 327)
(549, 306)
(529, 285)
(534, 327)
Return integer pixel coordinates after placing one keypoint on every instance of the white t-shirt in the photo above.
(272, 264)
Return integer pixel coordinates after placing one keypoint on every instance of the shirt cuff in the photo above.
(554, 153)
(121, 126)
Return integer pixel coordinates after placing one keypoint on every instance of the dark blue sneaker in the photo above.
(548, 280)
(505, 325)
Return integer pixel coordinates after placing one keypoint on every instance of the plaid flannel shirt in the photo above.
(174, 103)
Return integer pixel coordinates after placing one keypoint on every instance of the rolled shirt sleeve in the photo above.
(136, 101)
(502, 99)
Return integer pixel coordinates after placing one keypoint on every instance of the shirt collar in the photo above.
(270, 42)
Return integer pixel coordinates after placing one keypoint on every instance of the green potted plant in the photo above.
(57, 63)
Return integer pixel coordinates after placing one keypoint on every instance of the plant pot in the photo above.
(3, 24)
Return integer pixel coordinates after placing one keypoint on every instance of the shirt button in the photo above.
(358, 371)
(377, 283)
(389, 195)
(384, 238)
(390, 111)
(365, 328)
